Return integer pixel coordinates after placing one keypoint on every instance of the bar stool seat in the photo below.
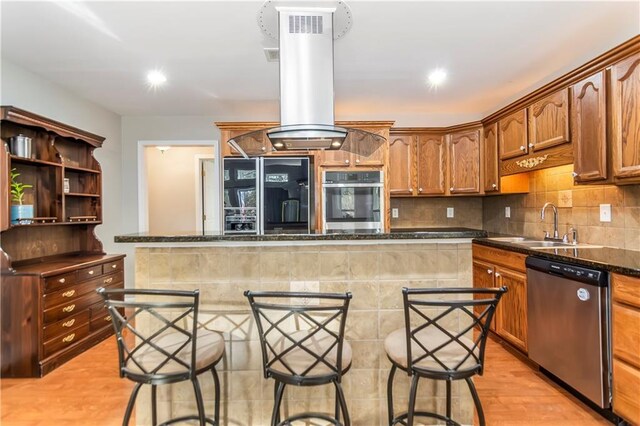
(452, 354)
(298, 361)
(209, 350)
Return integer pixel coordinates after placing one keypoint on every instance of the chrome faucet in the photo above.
(556, 236)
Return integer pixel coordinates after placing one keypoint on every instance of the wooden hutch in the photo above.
(52, 264)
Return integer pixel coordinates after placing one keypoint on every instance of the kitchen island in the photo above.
(373, 267)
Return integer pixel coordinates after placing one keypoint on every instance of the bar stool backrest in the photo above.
(157, 340)
(446, 328)
(301, 334)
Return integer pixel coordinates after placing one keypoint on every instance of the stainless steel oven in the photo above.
(353, 201)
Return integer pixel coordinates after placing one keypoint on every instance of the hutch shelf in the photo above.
(51, 264)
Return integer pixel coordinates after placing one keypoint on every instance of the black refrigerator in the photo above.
(267, 195)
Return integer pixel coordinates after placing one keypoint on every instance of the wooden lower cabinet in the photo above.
(496, 268)
(512, 310)
(51, 311)
(625, 338)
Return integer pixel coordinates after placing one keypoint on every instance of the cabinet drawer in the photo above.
(68, 294)
(66, 310)
(63, 326)
(625, 332)
(66, 339)
(115, 266)
(111, 280)
(59, 281)
(510, 259)
(100, 318)
(90, 272)
(626, 388)
(626, 289)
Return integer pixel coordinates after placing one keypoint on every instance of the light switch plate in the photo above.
(605, 212)
(507, 212)
(449, 212)
(394, 213)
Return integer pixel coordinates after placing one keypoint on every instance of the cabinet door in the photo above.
(464, 162)
(367, 152)
(338, 158)
(512, 135)
(491, 180)
(483, 278)
(401, 165)
(549, 121)
(431, 164)
(589, 129)
(259, 141)
(625, 111)
(512, 309)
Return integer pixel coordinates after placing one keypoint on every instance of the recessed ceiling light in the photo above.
(437, 77)
(156, 78)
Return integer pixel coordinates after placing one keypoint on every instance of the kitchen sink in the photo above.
(540, 244)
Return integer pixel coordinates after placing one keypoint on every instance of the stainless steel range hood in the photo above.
(306, 89)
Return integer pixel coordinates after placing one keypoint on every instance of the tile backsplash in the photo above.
(578, 207)
(418, 212)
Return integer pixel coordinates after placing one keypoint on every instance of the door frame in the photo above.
(143, 196)
(199, 190)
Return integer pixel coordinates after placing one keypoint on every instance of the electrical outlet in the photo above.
(507, 212)
(304, 287)
(394, 213)
(449, 212)
(605, 212)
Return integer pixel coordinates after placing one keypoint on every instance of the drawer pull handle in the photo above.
(107, 318)
(61, 280)
(69, 323)
(91, 272)
(108, 280)
(114, 266)
(69, 308)
(69, 338)
(69, 293)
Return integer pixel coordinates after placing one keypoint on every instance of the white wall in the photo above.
(27, 90)
(171, 187)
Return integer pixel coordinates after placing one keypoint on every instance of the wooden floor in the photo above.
(87, 391)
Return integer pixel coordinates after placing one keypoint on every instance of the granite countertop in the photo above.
(395, 234)
(626, 262)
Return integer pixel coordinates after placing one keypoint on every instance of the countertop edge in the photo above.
(299, 237)
(618, 269)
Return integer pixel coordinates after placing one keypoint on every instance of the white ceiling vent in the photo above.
(272, 54)
(305, 24)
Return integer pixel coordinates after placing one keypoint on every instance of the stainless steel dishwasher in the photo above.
(568, 325)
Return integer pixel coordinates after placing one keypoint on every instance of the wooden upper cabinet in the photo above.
(625, 117)
(401, 164)
(589, 128)
(368, 153)
(335, 158)
(464, 162)
(491, 181)
(431, 164)
(549, 121)
(512, 135)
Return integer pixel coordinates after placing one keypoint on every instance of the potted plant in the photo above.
(19, 211)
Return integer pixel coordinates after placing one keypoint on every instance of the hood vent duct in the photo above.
(306, 90)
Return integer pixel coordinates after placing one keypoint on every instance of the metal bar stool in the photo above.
(425, 348)
(165, 345)
(303, 344)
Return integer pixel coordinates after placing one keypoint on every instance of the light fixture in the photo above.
(437, 77)
(156, 78)
(163, 148)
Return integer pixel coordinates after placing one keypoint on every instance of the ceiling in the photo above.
(212, 53)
